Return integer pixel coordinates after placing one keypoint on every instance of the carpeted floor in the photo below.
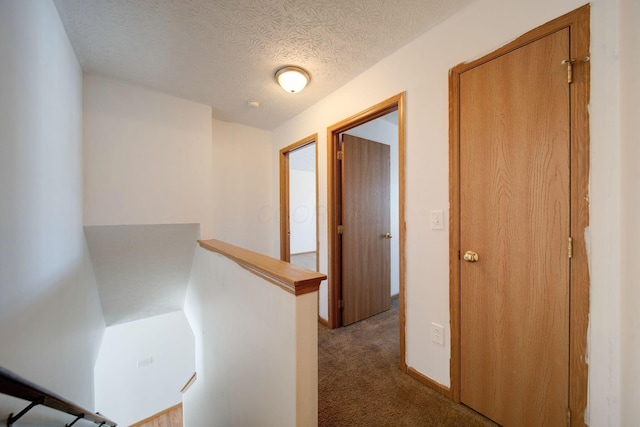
(306, 260)
(360, 382)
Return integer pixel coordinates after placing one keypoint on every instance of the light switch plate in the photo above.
(437, 220)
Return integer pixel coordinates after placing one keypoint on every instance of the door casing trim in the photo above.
(284, 195)
(578, 23)
(396, 102)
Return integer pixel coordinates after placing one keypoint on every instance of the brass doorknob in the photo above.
(387, 236)
(471, 256)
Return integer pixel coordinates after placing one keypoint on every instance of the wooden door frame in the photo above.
(578, 24)
(285, 242)
(394, 103)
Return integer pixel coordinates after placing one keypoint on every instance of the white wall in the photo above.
(244, 212)
(130, 393)
(302, 210)
(386, 133)
(421, 68)
(630, 197)
(256, 349)
(148, 157)
(50, 317)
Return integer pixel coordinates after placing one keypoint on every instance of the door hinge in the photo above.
(340, 155)
(569, 70)
(570, 248)
(569, 63)
(340, 229)
(341, 304)
(569, 417)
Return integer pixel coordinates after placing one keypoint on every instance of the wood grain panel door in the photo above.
(366, 252)
(515, 214)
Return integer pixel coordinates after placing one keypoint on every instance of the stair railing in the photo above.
(12, 384)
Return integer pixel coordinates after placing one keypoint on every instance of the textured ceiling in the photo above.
(224, 53)
(141, 270)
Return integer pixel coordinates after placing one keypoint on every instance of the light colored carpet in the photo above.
(360, 382)
(306, 260)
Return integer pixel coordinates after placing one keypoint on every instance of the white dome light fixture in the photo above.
(292, 79)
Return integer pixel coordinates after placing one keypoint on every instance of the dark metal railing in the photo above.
(13, 385)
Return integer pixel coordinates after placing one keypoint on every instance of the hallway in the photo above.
(360, 383)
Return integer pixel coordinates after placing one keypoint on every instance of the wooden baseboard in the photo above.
(434, 385)
(323, 321)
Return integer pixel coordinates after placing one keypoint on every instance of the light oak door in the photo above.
(515, 215)
(366, 250)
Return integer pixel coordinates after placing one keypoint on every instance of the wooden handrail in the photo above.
(189, 383)
(293, 279)
(13, 385)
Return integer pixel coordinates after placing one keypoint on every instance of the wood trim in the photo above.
(285, 242)
(394, 103)
(454, 232)
(189, 383)
(434, 385)
(293, 279)
(333, 246)
(158, 415)
(578, 23)
(323, 321)
(402, 228)
(580, 164)
(284, 206)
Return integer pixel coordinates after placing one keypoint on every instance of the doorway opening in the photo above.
(299, 203)
(363, 126)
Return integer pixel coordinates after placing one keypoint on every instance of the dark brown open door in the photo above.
(515, 214)
(366, 275)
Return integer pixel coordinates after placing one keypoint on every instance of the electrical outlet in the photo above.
(437, 333)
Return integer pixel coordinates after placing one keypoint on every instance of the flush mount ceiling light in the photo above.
(292, 79)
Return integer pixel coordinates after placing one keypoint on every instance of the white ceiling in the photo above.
(224, 53)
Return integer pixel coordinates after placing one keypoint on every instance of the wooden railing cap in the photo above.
(293, 279)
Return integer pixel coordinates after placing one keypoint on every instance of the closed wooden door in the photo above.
(366, 250)
(515, 214)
